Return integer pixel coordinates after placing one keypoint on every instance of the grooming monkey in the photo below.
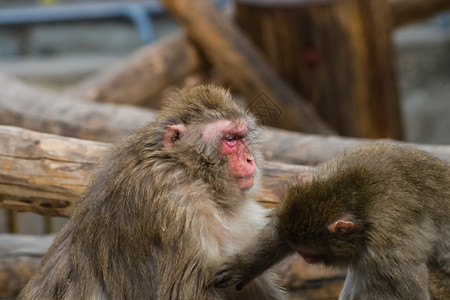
(381, 210)
(164, 209)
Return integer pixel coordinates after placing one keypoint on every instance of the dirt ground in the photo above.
(60, 55)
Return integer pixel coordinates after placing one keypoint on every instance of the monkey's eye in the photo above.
(231, 139)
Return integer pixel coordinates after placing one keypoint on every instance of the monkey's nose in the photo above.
(250, 160)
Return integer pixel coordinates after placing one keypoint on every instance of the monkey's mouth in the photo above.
(245, 182)
(311, 259)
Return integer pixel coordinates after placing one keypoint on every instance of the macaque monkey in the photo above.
(166, 207)
(382, 211)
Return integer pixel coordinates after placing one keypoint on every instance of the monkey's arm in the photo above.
(268, 249)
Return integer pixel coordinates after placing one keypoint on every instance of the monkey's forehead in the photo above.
(224, 126)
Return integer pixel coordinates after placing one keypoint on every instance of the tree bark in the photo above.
(268, 96)
(145, 74)
(408, 11)
(336, 53)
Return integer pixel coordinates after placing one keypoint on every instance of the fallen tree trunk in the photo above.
(46, 173)
(145, 74)
(309, 149)
(227, 48)
(34, 109)
(24, 106)
(408, 11)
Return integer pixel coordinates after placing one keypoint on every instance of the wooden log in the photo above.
(336, 53)
(24, 106)
(145, 74)
(28, 107)
(20, 256)
(408, 11)
(308, 149)
(268, 96)
(46, 173)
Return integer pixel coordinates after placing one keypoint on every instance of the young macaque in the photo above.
(381, 210)
(166, 207)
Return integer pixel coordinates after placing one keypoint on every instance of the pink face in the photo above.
(234, 145)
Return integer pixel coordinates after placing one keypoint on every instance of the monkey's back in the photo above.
(402, 195)
(409, 200)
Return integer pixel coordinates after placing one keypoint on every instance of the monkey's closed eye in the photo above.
(231, 139)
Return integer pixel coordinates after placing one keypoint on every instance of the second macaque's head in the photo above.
(316, 218)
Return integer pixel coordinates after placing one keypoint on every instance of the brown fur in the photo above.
(155, 223)
(392, 208)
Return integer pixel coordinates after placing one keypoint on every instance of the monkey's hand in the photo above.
(231, 274)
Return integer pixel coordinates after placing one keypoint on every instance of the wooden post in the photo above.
(338, 53)
(12, 222)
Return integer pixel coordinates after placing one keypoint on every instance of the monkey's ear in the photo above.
(172, 133)
(341, 227)
(305, 177)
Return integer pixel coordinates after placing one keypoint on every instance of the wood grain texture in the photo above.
(337, 53)
(44, 173)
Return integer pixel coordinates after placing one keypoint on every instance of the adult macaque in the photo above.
(165, 208)
(382, 211)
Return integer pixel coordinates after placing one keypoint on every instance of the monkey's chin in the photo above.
(246, 182)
